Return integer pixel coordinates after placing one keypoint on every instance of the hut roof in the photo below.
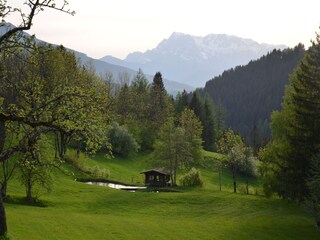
(162, 170)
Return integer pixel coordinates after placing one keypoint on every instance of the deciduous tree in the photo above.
(233, 147)
(193, 130)
(179, 147)
(10, 42)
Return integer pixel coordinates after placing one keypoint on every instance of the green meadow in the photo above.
(75, 210)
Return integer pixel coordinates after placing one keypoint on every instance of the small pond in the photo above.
(117, 186)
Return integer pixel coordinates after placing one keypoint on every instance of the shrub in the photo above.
(105, 173)
(96, 172)
(192, 179)
(77, 161)
(5, 237)
(123, 142)
(243, 189)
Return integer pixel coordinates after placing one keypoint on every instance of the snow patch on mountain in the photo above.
(194, 60)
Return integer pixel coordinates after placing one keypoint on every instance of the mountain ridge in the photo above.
(194, 59)
(102, 67)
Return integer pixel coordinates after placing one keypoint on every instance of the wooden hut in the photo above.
(159, 177)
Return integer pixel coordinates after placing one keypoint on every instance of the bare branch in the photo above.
(35, 8)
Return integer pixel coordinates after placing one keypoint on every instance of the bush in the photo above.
(122, 142)
(96, 172)
(192, 179)
(77, 161)
(242, 188)
(105, 173)
(5, 237)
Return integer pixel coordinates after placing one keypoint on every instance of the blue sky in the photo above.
(118, 27)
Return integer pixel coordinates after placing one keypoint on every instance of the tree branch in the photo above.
(35, 7)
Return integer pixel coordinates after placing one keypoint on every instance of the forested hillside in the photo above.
(250, 93)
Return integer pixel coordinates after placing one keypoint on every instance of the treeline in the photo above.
(250, 93)
(143, 108)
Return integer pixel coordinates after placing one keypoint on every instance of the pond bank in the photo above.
(111, 184)
(117, 186)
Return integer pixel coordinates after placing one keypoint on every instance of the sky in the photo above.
(119, 27)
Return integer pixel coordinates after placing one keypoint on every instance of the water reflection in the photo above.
(117, 186)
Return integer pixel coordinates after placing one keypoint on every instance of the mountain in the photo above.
(102, 67)
(250, 93)
(194, 60)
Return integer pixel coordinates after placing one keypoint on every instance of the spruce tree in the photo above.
(181, 102)
(313, 201)
(160, 106)
(209, 135)
(196, 105)
(296, 129)
(139, 98)
(123, 104)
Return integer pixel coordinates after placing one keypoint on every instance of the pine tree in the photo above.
(296, 129)
(209, 134)
(181, 102)
(123, 104)
(160, 106)
(313, 201)
(139, 97)
(158, 101)
(196, 105)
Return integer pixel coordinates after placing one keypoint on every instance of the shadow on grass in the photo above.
(163, 189)
(23, 201)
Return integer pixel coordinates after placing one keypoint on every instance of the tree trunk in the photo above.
(78, 149)
(5, 178)
(62, 146)
(7, 174)
(175, 171)
(2, 135)
(171, 172)
(247, 186)
(220, 179)
(234, 180)
(28, 189)
(3, 219)
(4, 188)
(4, 183)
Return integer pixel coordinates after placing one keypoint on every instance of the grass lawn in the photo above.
(75, 210)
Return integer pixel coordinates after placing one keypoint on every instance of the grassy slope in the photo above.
(78, 211)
